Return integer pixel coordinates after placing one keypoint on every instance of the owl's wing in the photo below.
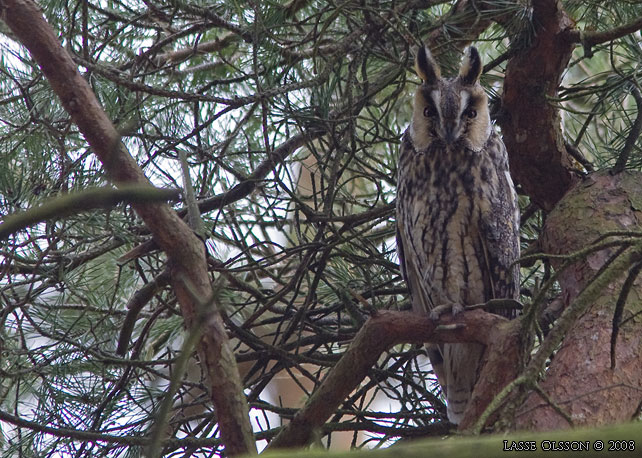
(421, 303)
(419, 294)
(410, 271)
(500, 237)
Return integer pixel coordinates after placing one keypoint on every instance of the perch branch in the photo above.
(379, 333)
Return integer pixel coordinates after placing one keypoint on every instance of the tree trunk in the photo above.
(580, 379)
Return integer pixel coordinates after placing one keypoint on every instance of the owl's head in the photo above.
(453, 111)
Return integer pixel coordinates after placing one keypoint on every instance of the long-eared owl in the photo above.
(457, 213)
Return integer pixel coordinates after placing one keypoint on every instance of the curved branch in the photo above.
(135, 304)
(592, 38)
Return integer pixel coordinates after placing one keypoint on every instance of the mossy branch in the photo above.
(88, 199)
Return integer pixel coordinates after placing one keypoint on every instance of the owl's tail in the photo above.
(461, 369)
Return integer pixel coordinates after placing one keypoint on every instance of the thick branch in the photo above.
(184, 250)
(381, 332)
(530, 124)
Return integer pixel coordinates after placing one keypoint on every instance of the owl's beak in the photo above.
(450, 134)
(448, 131)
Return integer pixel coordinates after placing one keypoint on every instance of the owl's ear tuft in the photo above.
(471, 66)
(426, 67)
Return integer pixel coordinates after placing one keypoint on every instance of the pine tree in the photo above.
(124, 306)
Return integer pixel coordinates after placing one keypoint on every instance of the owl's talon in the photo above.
(436, 312)
(455, 309)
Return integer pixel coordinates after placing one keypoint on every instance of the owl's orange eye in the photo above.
(429, 112)
(470, 113)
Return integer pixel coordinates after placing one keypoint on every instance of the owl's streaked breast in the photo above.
(442, 193)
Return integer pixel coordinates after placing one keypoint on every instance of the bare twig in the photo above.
(619, 307)
(561, 412)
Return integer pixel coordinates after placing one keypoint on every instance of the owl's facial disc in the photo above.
(451, 114)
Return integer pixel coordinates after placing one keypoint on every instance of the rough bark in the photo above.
(580, 379)
(184, 250)
(500, 366)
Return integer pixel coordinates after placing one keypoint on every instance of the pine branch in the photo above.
(634, 134)
(588, 39)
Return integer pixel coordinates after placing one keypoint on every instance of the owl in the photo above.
(457, 214)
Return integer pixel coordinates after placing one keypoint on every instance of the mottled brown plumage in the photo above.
(457, 214)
